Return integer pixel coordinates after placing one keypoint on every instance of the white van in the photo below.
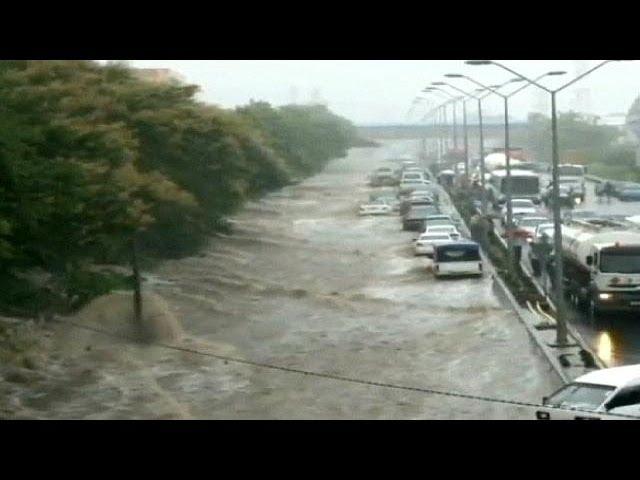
(602, 394)
(457, 259)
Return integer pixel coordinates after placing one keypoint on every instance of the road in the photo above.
(304, 283)
(617, 339)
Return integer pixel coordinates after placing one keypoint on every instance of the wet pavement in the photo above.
(305, 283)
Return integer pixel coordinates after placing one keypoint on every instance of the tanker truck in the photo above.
(602, 266)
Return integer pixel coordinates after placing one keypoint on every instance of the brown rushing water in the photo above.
(305, 283)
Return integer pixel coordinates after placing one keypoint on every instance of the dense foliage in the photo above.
(90, 156)
(583, 141)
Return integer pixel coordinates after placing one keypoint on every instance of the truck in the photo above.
(602, 266)
(573, 176)
(524, 184)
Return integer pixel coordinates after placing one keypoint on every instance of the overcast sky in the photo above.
(381, 91)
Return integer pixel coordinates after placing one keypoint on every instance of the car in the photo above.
(425, 243)
(414, 219)
(569, 215)
(379, 207)
(519, 206)
(408, 186)
(444, 228)
(406, 205)
(526, 225)
(597, 395)
(392, 201)
(629, 195)
(461, 258)
(440, 219)
(567, 196)
(408, 176)
(419, 189)
(408, 164)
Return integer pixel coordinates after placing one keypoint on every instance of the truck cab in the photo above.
(602, 267)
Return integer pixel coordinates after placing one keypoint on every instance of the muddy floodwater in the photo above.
(304, 283)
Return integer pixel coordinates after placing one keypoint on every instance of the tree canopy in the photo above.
(91, 155)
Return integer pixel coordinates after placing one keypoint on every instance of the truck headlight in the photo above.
(605, 296)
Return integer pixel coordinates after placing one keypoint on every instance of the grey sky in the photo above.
(381, 91)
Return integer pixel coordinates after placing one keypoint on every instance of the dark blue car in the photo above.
(629, 195)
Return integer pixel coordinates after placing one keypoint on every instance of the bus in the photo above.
(524, 184)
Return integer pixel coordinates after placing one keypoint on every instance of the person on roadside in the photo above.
(608, 191)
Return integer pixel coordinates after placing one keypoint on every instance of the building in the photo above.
(159, 75)
(633, 126)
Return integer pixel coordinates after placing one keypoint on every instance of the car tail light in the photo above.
(540, 415)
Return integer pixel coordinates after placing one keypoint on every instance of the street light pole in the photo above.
(561, 335)
(455, 126)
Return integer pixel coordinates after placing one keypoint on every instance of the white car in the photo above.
(542, 229)
(528, 225)
(379, 207)
(409, 164)
(519, 207)
(449, 229)
(408, 186)
(425, 243)
(597, 395)
(438, 220)
(408, 176)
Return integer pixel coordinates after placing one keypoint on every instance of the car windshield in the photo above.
(522, 204)
(545, 231)
(420, 211)
(570, 170)
(438, 222)
(434, 237)
(622, 262)
(531, 222)
(458, 253)
(580, 396)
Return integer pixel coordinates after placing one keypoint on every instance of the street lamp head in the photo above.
(516, 80)
(454, 75)
(556, 72)
(438, 83)
(478, 62)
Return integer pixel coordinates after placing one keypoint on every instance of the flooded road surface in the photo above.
(305, 283)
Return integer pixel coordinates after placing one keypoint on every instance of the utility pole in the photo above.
(137, 290)
(561, 335)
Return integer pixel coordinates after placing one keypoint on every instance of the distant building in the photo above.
(159, 75)
(633, 126)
